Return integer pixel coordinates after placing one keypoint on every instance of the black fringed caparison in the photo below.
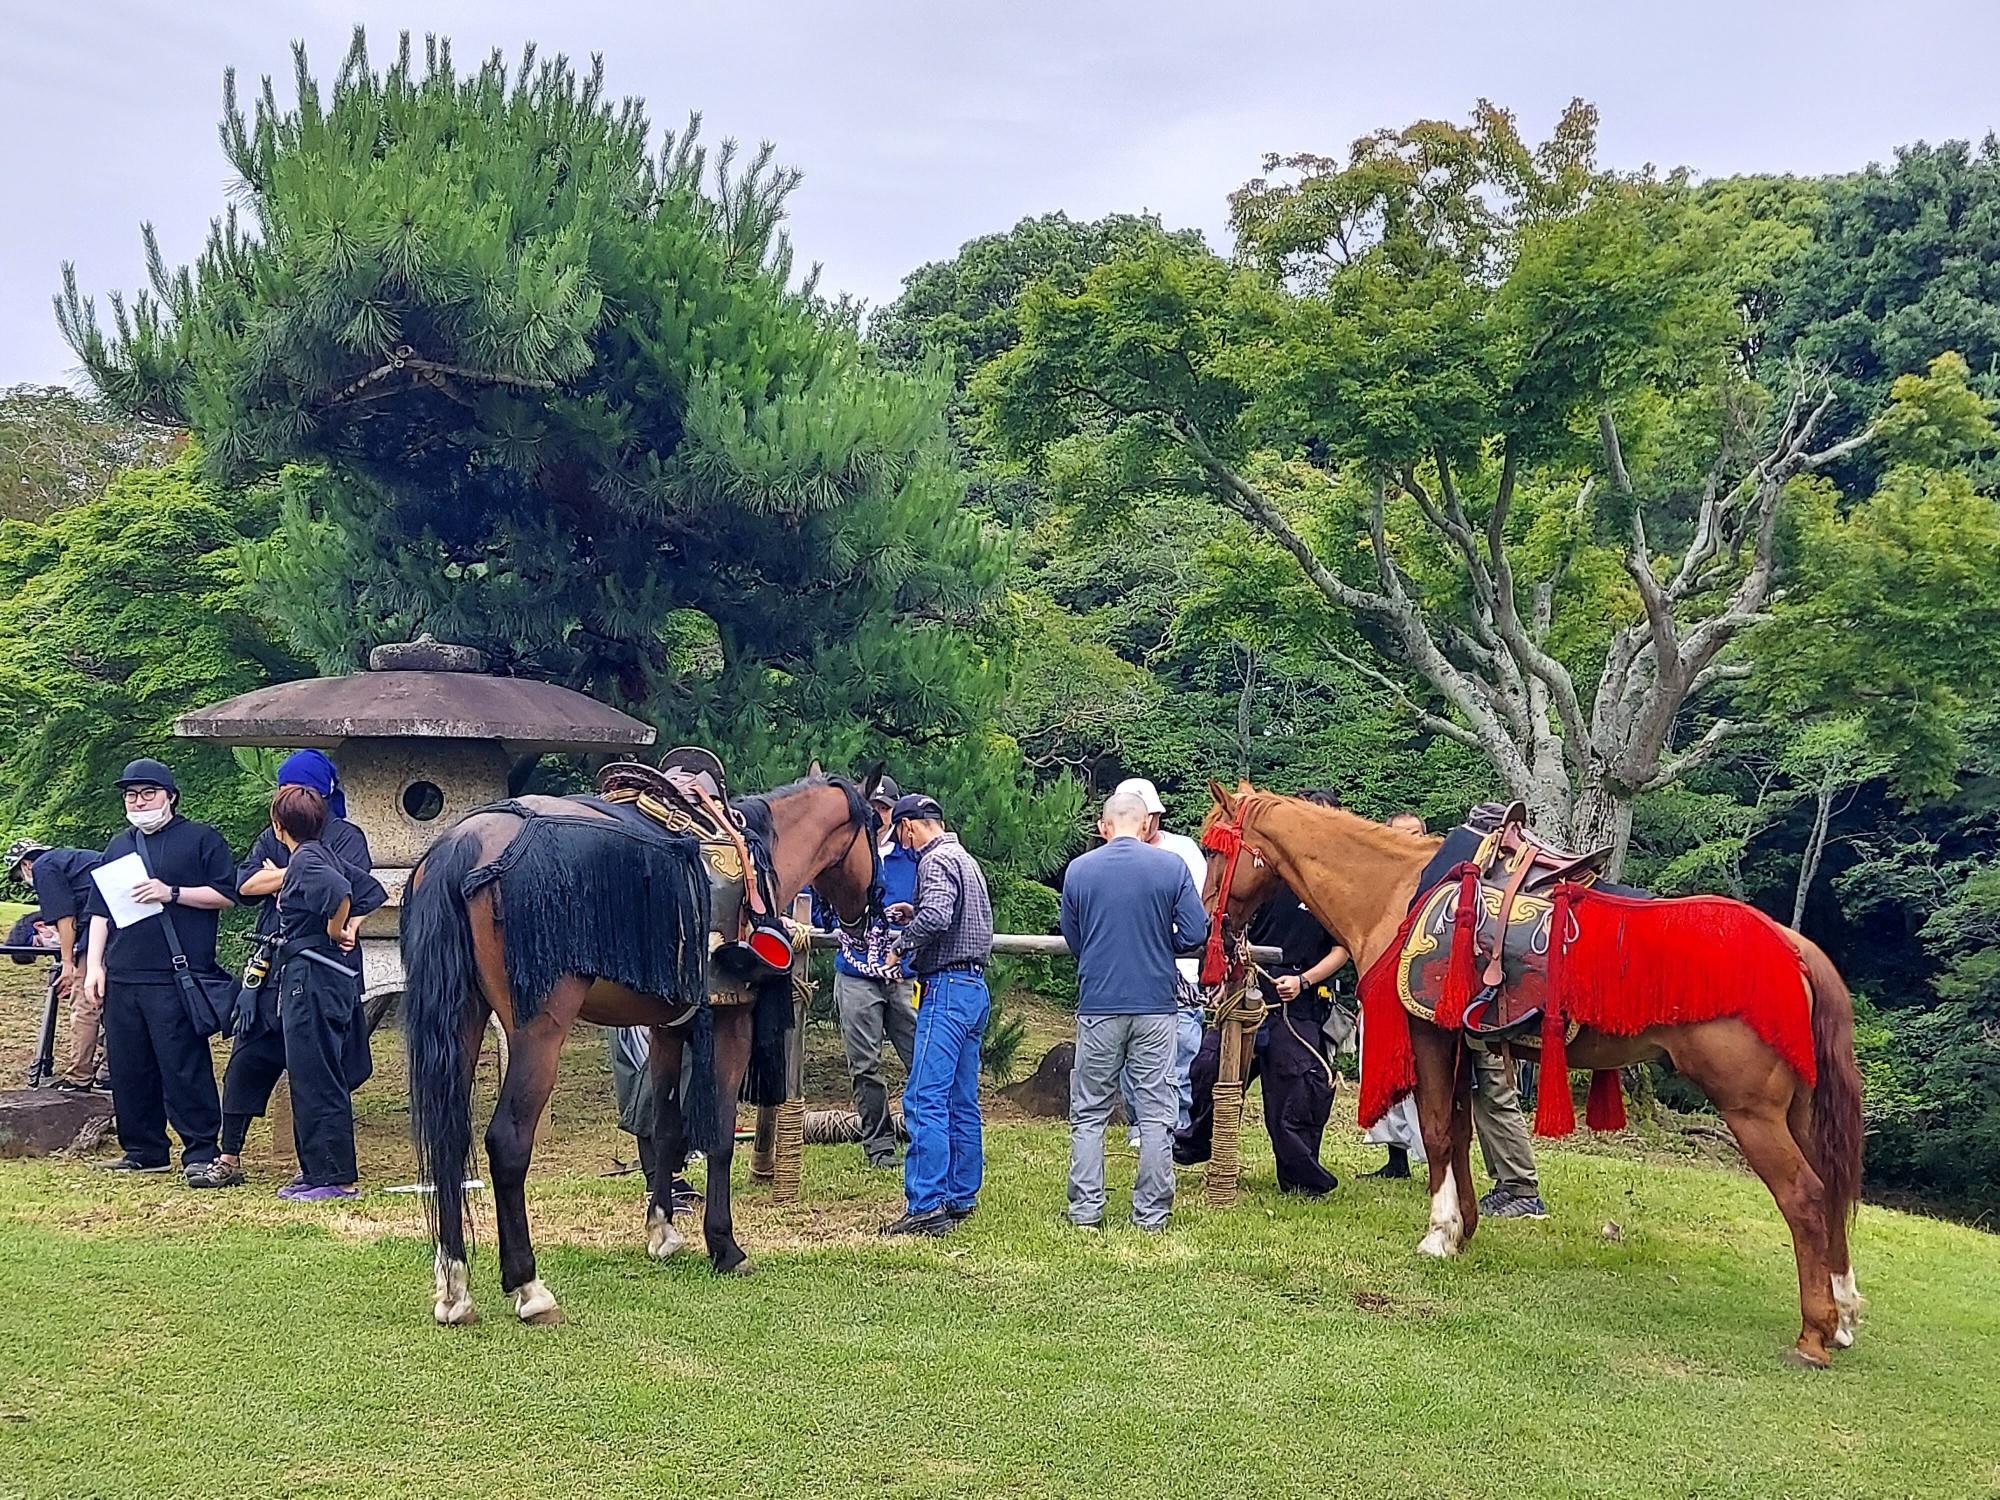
(591, 896)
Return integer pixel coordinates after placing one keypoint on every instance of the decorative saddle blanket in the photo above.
(1519, 944)
(687, 794)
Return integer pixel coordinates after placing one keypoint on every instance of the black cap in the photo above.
(886, 790)
(916, 805)
(146, 772)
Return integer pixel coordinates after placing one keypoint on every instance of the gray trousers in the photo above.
(870, 1010)
(1502, 1128)
(1142, 1048)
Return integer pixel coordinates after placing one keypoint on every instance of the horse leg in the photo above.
(669, 1142)
(1437, 1053)
(732, 1057)
(1754, 1090)
(1461, 1142)
(451, 1301)
(510, 1144)
(1840, 1269)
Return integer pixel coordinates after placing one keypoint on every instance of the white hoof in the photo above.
(1847, 1300)
(535, 1303)
(662, 1239)
(451, 1303)
(1447, 1231)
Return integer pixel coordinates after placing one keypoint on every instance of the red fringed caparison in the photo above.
(1751, 1012)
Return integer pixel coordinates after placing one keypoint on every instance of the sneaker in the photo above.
(305, 1194)
(1397, 1166)
(958, 1213)
(126, 1164)
(1501, 1204)
(683, 1196)
(1132, 1139)
(213, 1174)
(1097, 1224)
(71, 1086)
(933, 1223)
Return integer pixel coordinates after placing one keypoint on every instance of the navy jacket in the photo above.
(1127, 909)
(62, 882)
(348, 847)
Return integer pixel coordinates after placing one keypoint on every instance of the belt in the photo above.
(969, 966)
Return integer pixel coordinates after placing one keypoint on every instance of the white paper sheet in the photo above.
(116, 880)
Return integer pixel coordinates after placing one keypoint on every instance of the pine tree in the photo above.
(532, 386)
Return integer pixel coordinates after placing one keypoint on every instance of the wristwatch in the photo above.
(173, 895)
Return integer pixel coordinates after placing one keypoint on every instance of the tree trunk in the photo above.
(1815, 848)
(1244, 698)
(1603, 819)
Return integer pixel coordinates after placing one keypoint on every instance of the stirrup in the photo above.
(1477, 1007)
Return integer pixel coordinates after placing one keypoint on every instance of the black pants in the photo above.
(1298, 1097)
(317, 1010)
(161, 1072)
(1196, 1142)
(256, 1063)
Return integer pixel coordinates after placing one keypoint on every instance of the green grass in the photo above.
(159, 1343)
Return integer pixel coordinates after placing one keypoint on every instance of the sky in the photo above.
(921, 125)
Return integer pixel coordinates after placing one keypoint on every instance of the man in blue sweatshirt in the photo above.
(1127, 910)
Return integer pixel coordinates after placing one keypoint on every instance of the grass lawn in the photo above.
(164, 1343)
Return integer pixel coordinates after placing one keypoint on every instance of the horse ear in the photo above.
(1224, 800)
(874, 780)
(815, 769)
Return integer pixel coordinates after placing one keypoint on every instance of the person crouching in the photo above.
(317, 996)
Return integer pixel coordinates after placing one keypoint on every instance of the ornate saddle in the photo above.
(1502, 899)
(688, 794)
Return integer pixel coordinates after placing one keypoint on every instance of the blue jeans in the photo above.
(945, 1163)
(1187, 1042)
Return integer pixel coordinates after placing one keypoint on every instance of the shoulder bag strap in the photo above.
(181, 969)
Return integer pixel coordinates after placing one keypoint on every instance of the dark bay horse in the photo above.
(550, 910)
(1359, 877)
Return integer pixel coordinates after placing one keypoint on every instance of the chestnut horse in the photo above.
(460, 950)
(1359, 878)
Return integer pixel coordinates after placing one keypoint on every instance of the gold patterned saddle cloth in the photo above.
(1496, 913)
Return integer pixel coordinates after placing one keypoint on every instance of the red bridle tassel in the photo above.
(1225, 839)
(1461, 975)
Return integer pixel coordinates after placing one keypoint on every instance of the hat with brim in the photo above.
(22, 849)
(1144, 790)
(146, 772)
(886, 791)
(916, 805)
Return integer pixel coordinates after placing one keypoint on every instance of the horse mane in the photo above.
(1377, 836)
(756, 810)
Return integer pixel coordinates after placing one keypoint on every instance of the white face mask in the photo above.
(150, 822)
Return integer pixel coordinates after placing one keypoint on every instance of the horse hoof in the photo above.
(1437, 1245)
(737, 1267)
(454, 1315)
(1843, 1337)
(553, 1317)
(1805, 1359)
(662, 1239)
(535, 1303)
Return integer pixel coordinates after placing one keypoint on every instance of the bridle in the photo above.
(1226, 839)
(872, 905)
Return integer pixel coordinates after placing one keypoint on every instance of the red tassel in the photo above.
(1555, 1109)
(1388, 1059)
(1461, 975)
(1225, 839)
(1605, 1108)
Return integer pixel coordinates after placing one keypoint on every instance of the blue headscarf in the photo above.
(312, 768)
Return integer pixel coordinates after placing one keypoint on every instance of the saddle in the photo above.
(1504, 896)
(688, 794)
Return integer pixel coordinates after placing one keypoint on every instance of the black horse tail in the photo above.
(439, 1029)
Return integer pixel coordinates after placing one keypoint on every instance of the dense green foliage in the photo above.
(118, 614)
(535, 387)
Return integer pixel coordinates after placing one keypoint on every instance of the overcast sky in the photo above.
(922, 123)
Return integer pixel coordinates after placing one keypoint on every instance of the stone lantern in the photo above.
(421, 738)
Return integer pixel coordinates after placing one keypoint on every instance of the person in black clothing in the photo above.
(60, 879)
(319, 996)
(161, 1070)
(1290, 1051)
(257, 1055)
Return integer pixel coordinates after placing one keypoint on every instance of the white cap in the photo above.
(1144, 790)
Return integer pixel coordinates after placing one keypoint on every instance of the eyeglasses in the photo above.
(144, 793)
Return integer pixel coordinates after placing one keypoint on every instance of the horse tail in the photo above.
(441, 989)
(1837, 1130)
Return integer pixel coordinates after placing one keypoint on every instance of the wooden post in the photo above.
(1237, 1020)
(789, 1127)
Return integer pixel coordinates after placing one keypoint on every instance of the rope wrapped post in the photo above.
(764, 1144)
(1237, 1021)
(789, 1128)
